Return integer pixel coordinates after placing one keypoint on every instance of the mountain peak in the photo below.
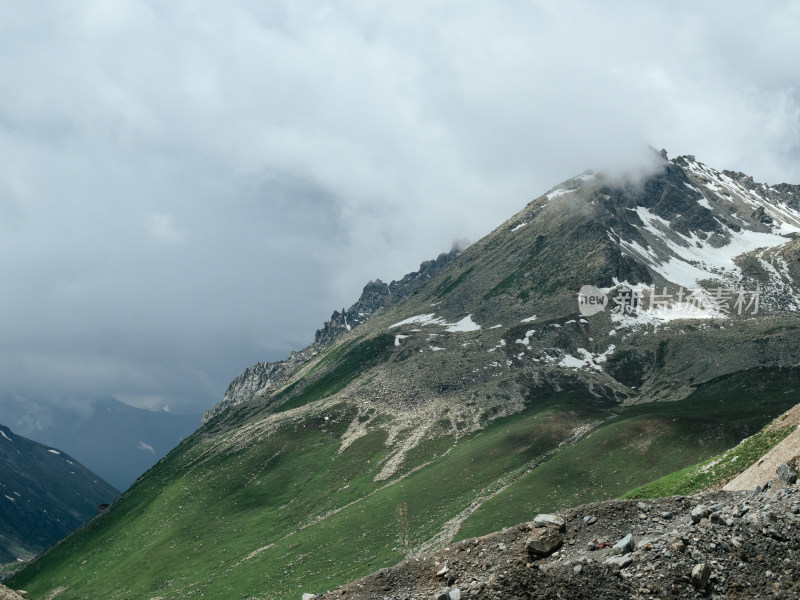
(695, 235)
(529, 372)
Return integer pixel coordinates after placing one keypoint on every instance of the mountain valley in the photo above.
(476, 393)
(117, 441)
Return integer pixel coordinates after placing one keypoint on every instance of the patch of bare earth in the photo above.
(787, 451)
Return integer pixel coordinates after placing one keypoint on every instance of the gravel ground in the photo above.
(711, 545)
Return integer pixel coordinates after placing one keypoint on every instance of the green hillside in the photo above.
(288, 512)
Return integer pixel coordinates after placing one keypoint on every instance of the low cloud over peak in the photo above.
(187, 188)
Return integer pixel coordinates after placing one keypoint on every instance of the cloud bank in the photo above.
(192, 186)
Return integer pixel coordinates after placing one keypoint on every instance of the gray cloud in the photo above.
(189, 187)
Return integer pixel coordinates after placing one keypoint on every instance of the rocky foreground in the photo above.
(711, 545)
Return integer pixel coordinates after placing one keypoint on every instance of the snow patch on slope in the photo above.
(558, 193)
(587, 359)
(427, 319)
(526, 341)
(695, 260)
(464, 325)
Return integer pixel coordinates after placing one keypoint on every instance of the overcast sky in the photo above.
(189, 187)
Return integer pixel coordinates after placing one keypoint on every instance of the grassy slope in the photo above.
(715, 472)
(263, 494)
(188, 526)
(644, 443)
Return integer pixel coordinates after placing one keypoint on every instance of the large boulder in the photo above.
(699, 513)
(548, 520)
(625, 545)
(543, 541)
(700, 574)
(786, 474)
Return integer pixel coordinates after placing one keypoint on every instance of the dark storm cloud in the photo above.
(189, 187)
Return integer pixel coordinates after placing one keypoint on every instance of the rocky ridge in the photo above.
(712, 545)
(376, 297)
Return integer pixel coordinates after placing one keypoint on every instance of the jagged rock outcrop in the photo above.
(376, 297)
(260, 378)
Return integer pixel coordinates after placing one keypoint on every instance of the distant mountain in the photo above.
(117, 441)
(44, 495)
(612, 332)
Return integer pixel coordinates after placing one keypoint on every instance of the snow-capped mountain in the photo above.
(529, 372)
(684, 244)
(723, 231)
